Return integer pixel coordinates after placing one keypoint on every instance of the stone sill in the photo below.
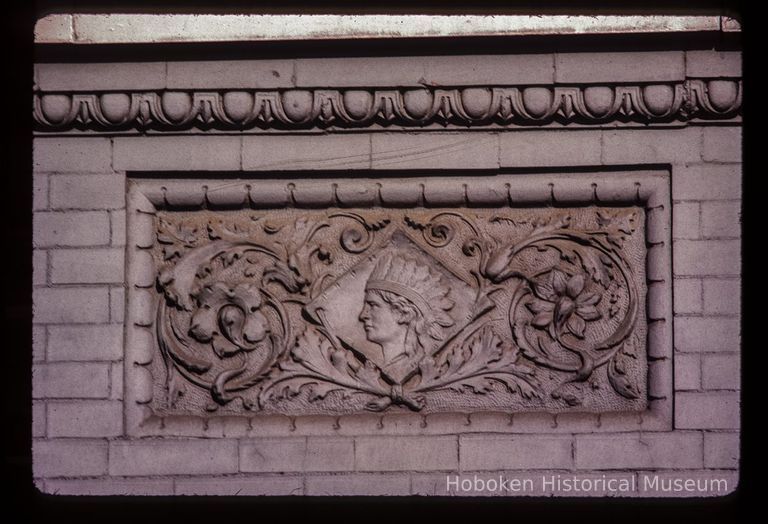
(146, 28)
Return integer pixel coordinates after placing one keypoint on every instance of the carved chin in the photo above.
(374, 336)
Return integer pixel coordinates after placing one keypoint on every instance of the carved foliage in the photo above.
(334, 312)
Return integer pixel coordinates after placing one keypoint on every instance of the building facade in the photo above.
(402, 266)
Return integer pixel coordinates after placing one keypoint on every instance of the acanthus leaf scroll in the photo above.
(342, 311)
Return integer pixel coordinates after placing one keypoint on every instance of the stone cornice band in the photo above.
(302, 109)
(84, 29)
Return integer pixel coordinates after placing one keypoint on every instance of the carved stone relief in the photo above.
(356, 108)
(340, 311)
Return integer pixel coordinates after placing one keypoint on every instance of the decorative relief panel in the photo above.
(345, 310)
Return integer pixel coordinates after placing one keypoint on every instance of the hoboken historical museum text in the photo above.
(587, 484)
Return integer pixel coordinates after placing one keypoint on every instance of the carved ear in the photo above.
(406, 315)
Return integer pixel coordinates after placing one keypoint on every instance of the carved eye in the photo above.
(206, 306)
(254, 309)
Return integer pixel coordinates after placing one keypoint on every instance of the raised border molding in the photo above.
(647, 188)
(693, 100)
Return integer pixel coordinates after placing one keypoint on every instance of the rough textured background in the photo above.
(79, 434)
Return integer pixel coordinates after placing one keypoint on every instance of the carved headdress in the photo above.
(420, 285)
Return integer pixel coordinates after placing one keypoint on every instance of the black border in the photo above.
(26, 500)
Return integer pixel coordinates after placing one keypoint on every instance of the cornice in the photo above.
(245, 110)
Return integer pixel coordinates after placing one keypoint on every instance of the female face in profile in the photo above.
(381, 322)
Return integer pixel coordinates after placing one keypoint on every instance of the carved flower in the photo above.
(229, 318)
(563, 304)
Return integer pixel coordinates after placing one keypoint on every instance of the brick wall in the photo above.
(80, 442)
